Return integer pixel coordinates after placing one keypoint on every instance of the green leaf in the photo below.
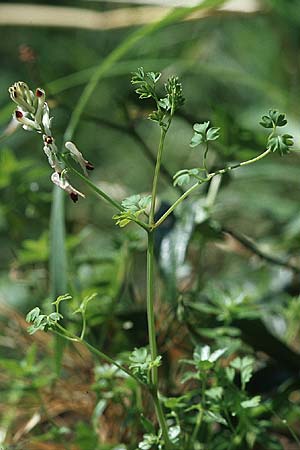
(202, 354)
(139, 355)
(280, 143)
(33, 314)
(203, 134)
(196, 140)
(245, 365)
(273, 119)
(148, 441)
(141, 363)
(174, 433)
(252, 403)
(147, 424)
(215, 393)
(133, 207)
(184, 176)
(146, 82)
(211, 417)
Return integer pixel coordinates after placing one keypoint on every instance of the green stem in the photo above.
(204, 158)
(162, 420)
(98, 191)
(83, 327)
(204, 180)
(200, 413)
(101, 193)
(156, 174)
(72, 337)
(178, 201)
(152, 339)
(150, 305)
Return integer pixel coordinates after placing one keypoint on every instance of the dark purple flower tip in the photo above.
(19, 114)
(48, 140)
(74, 197)
(89, 166)
(39, 93)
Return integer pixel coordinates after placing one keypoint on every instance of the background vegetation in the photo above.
(228, 261)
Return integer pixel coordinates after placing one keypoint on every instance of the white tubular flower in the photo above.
(22, 96)
(28, 124)
(50, 150)
(60, 180)
(33, 114)
(46, 119)
(40, 95)
(78, 157)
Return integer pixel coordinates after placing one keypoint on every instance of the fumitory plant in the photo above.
(216, 397)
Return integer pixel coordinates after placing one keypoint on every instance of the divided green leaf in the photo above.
(273, 119)
(203, 134)
(281, 144)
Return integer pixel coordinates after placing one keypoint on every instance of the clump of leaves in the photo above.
(146, 87)
(43, 322)
(133, 207)
(276, 142)
(141, 363)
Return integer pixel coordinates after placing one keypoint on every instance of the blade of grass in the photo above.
(58, 262)
(122, 49)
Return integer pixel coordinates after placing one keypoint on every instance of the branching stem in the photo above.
(156, 174)
(204, 180)
(71, 337)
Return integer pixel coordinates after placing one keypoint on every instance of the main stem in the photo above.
(150, 305)
(152, 339)
(156, 175)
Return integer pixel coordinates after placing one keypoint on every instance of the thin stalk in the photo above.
(152, 339)
(244, 163)
(71, 337)
(92, 185)
(178, 201)
(200, 413)
(150, 305)
(156, 174)
(101, 193)
(204, 158)
(162, 421)
(204, 180)
(83, 327)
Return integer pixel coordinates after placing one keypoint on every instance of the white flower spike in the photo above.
(34, 115)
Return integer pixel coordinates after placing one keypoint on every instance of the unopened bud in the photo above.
(74, 197)
(89, 166)
(78, 157)
(39, 92)
(48, 139)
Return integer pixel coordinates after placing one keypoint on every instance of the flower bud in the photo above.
(40, 94)
(60, 180)
(28, 124)
(22, 96)
(78, 157)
